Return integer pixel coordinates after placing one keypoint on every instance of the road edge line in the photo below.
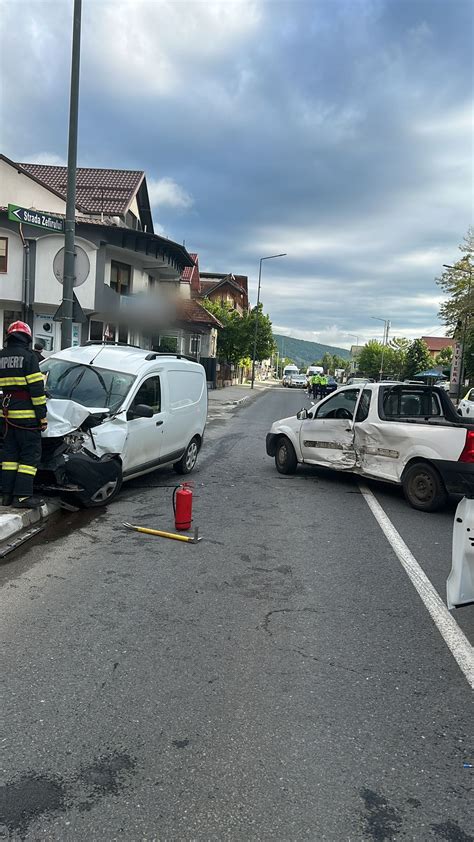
(453, 636)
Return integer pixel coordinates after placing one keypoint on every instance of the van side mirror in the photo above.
(302, 414)
(141, 410)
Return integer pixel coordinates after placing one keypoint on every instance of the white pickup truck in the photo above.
(401, 433)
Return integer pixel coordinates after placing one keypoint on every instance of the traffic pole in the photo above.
(70, 226)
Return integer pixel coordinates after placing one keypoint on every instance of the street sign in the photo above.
(456, 366)
(39, 219)
(81, 266)
(78, 314)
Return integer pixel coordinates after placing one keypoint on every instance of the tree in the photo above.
(369, 359)
(265, 342)
(327, 362)
(232, 339)
(456, 283)
(444, 357)
(418, 358)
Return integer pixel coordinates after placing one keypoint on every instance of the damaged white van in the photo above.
(116, 412)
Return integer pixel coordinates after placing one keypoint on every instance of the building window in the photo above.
(168, 344)
(96, 331)
(3, 254)
(120, 277)
(195, 345)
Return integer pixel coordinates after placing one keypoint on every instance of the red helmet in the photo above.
(20, 327)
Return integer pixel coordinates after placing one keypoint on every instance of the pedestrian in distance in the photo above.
(38, 350)
(23, 411)
(315, 383)
(324, 381)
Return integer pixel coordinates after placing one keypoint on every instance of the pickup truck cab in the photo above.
(406, 434)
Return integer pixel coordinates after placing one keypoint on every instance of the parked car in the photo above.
(298, 381)
(332, 385)
(466, 406)
(115, 413)
(405, 434)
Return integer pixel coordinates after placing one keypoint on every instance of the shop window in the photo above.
(120, 277)
(3, 254)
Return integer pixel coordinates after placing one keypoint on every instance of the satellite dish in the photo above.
(81, 266)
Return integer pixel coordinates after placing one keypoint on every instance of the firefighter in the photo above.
(24, 413)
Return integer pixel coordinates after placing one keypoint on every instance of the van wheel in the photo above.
(423, 487)
(285, 456)
(188, 459)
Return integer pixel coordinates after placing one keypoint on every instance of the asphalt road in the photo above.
(281, 680)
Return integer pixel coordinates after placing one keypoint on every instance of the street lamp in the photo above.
(385, 339)
(465, 320)
(270, 257)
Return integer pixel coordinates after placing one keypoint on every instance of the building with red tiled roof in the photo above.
(437, 343)
(100, 191)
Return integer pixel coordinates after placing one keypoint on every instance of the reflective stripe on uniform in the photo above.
(27, 469)
(9, 466)
(34, 378)
(38, 401)
(12, 381)
(19, 413)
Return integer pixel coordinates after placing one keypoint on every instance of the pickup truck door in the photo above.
(327, 436)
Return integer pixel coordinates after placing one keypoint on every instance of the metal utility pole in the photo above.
(70, 226)
(386, 329)
(270, 257)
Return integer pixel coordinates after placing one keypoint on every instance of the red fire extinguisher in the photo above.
(183, 506)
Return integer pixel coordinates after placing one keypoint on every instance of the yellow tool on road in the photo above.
(186, 538)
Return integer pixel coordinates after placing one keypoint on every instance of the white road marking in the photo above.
(449, 630)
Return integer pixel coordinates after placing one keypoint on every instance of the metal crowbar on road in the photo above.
(186, 538)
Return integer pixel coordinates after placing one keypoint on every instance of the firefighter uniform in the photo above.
(24, 412)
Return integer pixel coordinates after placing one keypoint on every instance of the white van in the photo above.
(121, 412)
(314, 369)
(288, 372)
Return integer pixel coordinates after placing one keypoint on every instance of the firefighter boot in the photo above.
(28, 502)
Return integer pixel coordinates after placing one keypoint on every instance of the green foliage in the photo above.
(235, 339)
(327, 362)
(393, 360)
(444, 357)
(418, 359)
(456, 283)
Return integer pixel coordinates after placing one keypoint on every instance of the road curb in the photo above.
(13, 521)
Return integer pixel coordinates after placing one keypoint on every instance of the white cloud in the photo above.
(48, 158)
(165, 192)
(156, 47)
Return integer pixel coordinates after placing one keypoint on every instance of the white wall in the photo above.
(18, 189)
(11, 282)
(48, 290)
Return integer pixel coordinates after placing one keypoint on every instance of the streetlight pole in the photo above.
(465, 321)
(70, 226)
(270, 257)
(386, 328)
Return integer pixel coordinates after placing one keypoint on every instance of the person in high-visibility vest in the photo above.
(324, 380)
(315, 383)
(23, 410)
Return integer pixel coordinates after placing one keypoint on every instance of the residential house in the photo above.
(226, 289)
(122, 261)
(437, 343)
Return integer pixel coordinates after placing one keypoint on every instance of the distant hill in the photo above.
(304, 353)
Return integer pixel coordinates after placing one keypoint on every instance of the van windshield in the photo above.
(85, 384)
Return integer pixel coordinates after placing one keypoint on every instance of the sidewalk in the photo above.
(233, 395)
(13, 521)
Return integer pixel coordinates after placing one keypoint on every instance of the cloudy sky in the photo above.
(338, 131)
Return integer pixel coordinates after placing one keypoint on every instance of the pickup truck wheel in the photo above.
(285, 456)
(424, 488)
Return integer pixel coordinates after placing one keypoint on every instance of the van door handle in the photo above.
(159, 423)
